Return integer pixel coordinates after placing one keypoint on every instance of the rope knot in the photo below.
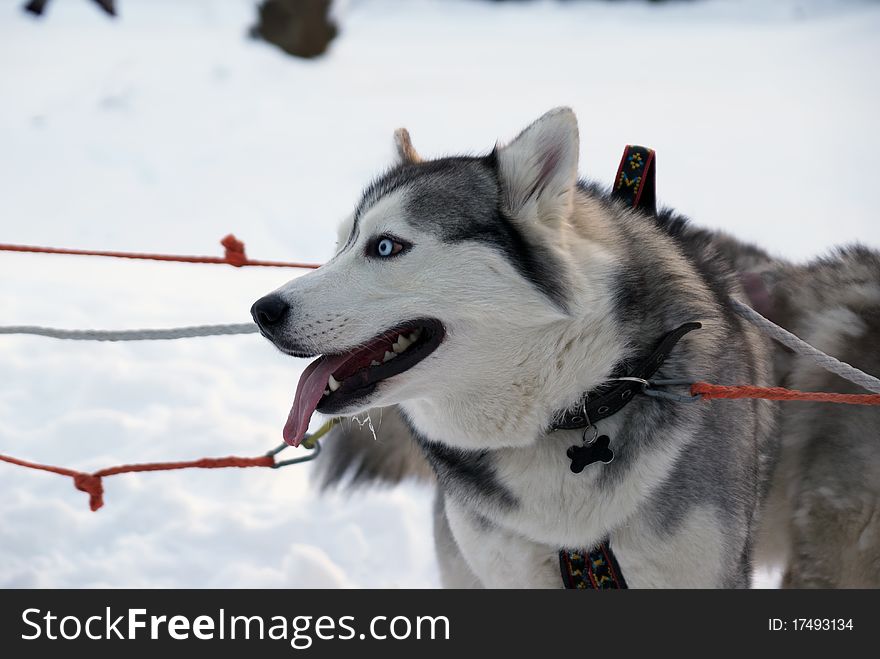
(234, 251)
(92, 486)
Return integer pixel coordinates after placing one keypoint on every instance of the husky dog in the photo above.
(820, 525)
(484, 297)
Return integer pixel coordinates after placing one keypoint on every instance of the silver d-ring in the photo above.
(628, 378)
(588, 442)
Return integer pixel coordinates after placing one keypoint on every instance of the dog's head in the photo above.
(441, 271)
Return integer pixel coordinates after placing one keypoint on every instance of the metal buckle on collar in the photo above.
(649, 388)
(629, 378)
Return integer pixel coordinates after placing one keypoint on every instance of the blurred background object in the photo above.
(37, 7)
(299, 27)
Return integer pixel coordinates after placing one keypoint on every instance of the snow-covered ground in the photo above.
(166, 129)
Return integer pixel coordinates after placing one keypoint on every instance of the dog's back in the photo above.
(823, 515)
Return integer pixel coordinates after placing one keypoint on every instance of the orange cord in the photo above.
(92, 484)
(712, 391)
(234, 255)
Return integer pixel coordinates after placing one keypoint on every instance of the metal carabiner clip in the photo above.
(310, 442)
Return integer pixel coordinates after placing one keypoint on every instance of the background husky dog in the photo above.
(822, 520)
(485, 294)
(823, 517)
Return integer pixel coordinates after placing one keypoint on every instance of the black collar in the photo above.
(613, 396)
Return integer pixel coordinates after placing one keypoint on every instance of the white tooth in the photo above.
(374, 363)
(402, 343)
(333, 384)
(389, 356)
(326, 391)
(414, 336)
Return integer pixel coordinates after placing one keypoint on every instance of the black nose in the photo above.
(269, 311)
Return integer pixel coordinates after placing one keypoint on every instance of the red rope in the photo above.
(710, 391)
(234, 255)
(92, 484)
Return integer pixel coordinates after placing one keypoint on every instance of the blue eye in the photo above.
(385, 247)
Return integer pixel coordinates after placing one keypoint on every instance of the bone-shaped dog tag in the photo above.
(587, 454)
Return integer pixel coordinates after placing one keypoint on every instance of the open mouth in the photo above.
(333, 382)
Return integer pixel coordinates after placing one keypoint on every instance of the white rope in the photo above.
(801, 347)
(133, 335)
(773, 330)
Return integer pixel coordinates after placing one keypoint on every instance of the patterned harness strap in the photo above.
(635, 183)
(598, 569)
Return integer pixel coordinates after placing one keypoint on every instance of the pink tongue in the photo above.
(311, 387)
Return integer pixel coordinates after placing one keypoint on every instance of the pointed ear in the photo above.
(405, 150)
(538, 170)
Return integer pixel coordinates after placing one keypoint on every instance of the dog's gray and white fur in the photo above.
(822, 522)
(545, 285)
